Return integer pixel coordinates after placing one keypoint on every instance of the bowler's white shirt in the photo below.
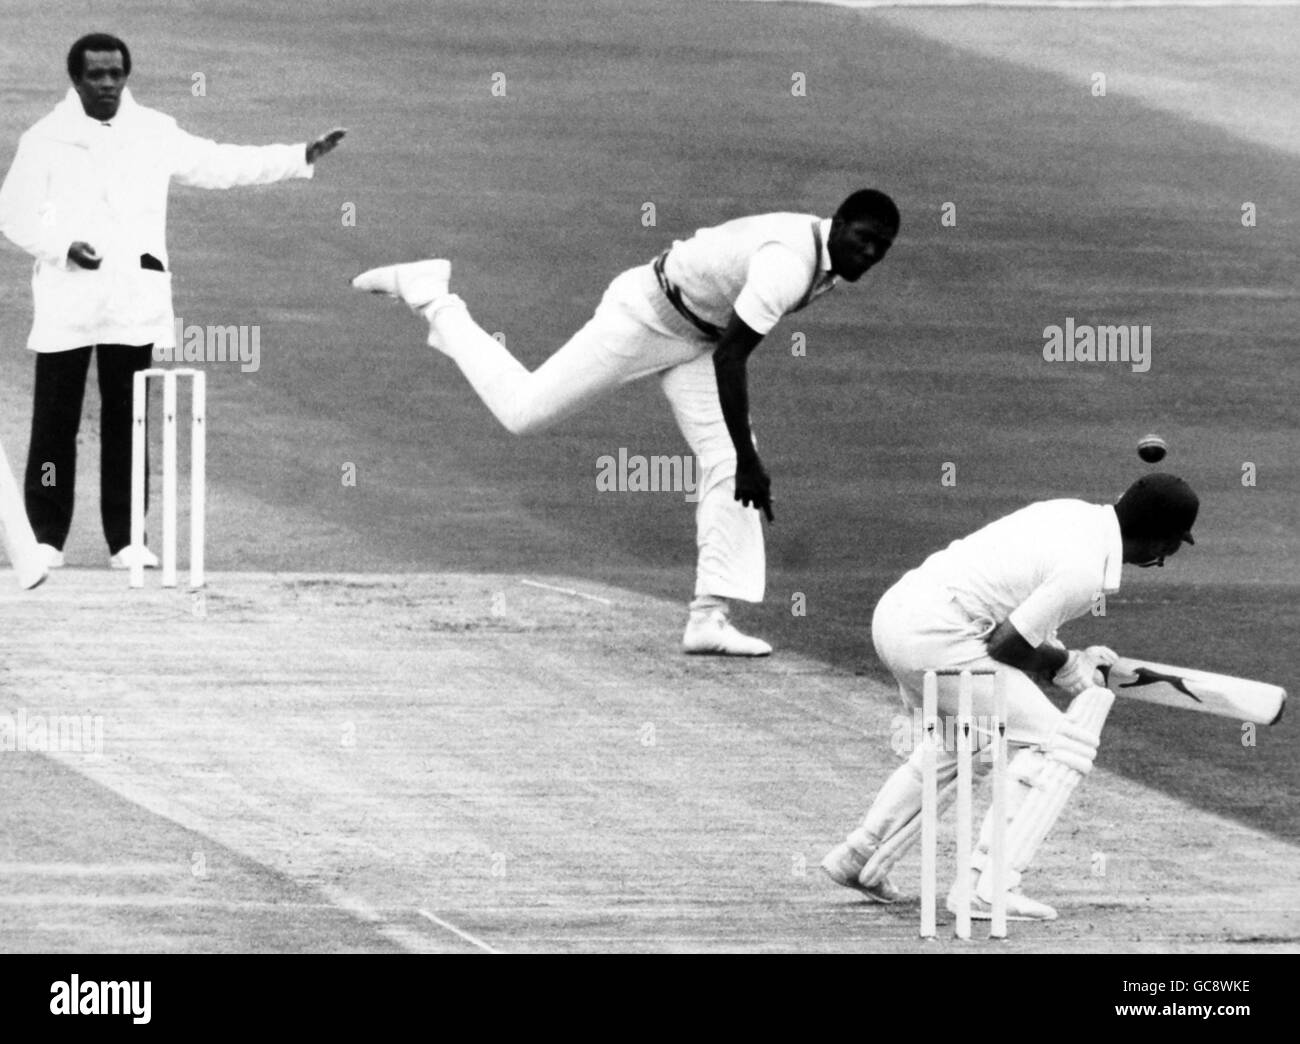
(759, 267)
(1037, 567)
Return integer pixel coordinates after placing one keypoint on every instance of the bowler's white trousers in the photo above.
(634, 332)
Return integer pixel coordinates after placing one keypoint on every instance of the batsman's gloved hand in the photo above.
(1079, 671)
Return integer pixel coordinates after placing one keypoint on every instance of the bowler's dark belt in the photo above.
(674, 296)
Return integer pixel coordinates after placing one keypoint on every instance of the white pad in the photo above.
(1073, 745)
(16, 531)
(1054, 783)
(894, 847)
(1023, 772)
(905, 789)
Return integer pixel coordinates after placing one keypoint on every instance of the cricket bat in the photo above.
(19, 540)
(1202, 691)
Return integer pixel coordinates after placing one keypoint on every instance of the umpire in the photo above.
(86, 196)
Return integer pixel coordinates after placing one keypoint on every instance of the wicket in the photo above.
(932, 741)
(198, 473)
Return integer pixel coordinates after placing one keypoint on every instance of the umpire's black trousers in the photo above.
(51, 478)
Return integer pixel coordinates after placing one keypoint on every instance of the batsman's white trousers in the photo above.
(918, 626)
(634, 332)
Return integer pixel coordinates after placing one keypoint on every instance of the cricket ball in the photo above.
(1152, 448)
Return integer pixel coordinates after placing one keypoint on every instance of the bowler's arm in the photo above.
(730, 359)
(775, 279)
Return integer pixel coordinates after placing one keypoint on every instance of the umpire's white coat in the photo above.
(74, 178)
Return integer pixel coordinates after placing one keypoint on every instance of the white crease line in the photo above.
(93, 869)
(568, 591)
(406, 938)
(464, 935)
(24, 900)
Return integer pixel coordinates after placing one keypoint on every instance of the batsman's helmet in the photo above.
(1158, 505)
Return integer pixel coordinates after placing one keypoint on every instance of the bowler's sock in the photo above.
(704, 604)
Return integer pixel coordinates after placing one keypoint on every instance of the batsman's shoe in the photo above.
(418, 283)
(844, 863)
(51, 556)
(1019, 907)
(710, 633)
(125, 558)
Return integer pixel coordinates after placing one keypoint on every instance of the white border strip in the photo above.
(1091, 5)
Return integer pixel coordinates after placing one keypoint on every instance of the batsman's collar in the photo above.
(1114, 567)
(824, 262)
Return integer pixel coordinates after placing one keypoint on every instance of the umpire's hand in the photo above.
(324, 144)
(753, 487)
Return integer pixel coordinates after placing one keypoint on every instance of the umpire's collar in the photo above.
(69, 122)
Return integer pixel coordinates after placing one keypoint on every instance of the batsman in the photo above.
(994, 600)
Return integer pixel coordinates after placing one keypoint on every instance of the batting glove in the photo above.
(1080, 669)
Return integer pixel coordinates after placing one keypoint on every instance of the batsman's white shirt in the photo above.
(1037, 567)
(75, 178)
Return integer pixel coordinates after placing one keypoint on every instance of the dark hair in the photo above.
(869, 205)
(95, 42)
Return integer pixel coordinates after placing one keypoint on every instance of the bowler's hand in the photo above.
(753, 487)
(83, 255)
(325, 143)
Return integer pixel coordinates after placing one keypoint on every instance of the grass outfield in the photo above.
(1105, 211)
